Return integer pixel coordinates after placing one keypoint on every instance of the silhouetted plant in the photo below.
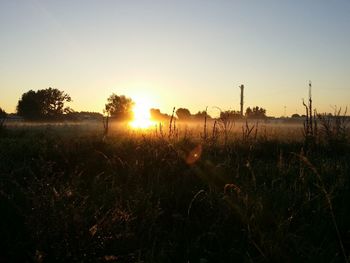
(161, 133)
(205, 133)
(171, 130)
(249, 132)
(139, 198)
(322, 187)
(334, 127)
(225, 123)
(310, 123)
(215, 132)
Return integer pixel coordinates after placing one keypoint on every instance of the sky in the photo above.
(192, 53)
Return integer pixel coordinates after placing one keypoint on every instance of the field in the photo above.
(246, 193)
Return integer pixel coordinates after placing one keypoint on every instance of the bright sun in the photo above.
(142, 115)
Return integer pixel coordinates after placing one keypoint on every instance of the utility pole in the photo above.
(242, 97)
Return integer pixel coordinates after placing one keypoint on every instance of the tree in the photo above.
(43, 104)
(183, 114)
(255, 112)
(158, 116)
(54, 100)
(3, 116)
(29, 106)
(83, 115)
(200, 115)
(119, 107)
(230, 114)
(3, 113)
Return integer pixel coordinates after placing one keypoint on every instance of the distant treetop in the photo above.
(183, 114)
(255, 112)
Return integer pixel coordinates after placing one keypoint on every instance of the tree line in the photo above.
(50, 104)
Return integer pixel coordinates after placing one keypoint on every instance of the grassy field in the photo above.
(69, 194)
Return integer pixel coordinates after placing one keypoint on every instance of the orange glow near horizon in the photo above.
(142, 115)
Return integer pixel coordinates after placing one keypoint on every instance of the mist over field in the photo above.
(175, 192)
(275, 129)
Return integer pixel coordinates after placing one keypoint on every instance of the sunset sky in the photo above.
(178, 53)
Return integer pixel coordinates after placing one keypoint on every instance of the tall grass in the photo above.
(148, 197)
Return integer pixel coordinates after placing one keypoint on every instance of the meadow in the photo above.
(235, 193)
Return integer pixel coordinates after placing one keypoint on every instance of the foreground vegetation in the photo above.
(133, 197)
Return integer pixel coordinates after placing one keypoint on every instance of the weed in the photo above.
(140, 197)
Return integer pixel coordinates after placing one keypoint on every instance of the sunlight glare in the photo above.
(142, 115)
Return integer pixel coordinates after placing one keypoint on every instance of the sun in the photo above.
(141, 111)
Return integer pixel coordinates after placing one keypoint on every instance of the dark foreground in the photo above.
(148, 199)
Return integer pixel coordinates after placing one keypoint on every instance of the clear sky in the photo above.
(179, 53)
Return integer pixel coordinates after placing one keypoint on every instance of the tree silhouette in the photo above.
(119, 107)
(231, 114)
(3, 113)
(200, 115)
(295, 115)
(43, 104)
(158, 116)
(183, 114)
(3, 116)
(255, 112)
(84, 115)
(29, 106)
